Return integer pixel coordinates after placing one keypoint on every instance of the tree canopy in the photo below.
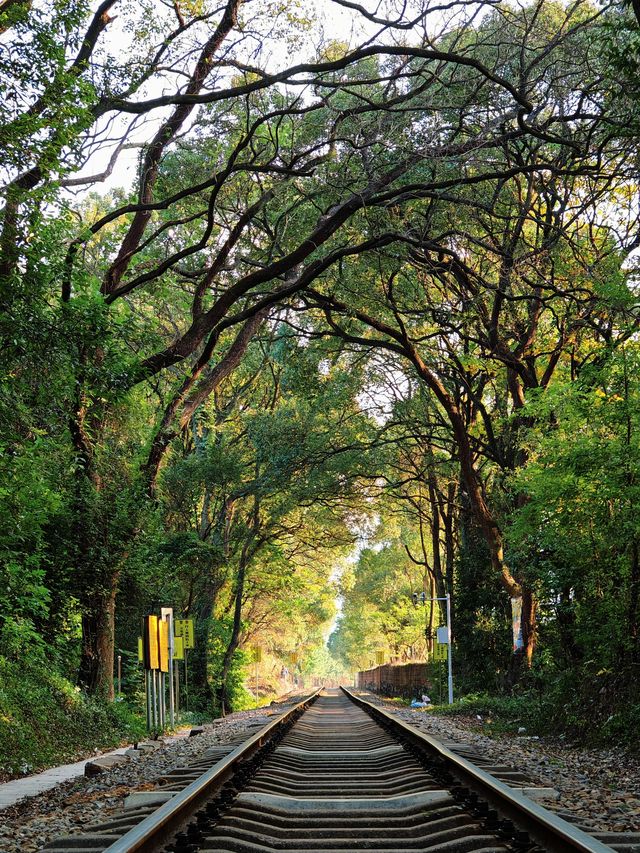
(306, 309)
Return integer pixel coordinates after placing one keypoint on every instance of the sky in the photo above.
(331, 23)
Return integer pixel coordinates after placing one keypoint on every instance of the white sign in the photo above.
(443, 634)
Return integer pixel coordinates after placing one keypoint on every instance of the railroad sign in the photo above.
(256, 651)
(178, 648)
(150, 638)
(379, 657)
(440, 651)
(184, 629)
(163, 645)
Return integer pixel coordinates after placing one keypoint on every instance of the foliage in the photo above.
(44, 719)
(560, 706)
(340, 338)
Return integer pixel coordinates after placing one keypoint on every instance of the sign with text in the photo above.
(256, 652)
(440, 651)
(379, 657)
(184, 629)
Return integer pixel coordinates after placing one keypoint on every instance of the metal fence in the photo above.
(408, 680)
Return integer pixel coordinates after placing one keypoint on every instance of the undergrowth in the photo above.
(45, 720)
(588, 721)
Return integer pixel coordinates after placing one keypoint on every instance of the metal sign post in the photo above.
(151, 656)
(184, 630)
(443, 635)
(178, 654)
(147, 693)
(154, 700)
(163, 646)
(449, 661)
(155, 648)
(167, 615)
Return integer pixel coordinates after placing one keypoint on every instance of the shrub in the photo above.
(45, 720)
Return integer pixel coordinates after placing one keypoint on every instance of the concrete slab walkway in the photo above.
(29, 786)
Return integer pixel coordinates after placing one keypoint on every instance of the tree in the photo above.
(502, 275)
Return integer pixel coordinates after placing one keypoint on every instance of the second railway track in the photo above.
(338, 774)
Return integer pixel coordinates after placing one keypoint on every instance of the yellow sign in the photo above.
(293, 658)
(163, 643)
(184, 629)
(440, 651)
(257, 653)
(379, 657)
(178, 648)
(151, 660)
(140, 649)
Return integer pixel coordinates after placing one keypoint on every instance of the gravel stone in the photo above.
(32, 822)
(599, 788)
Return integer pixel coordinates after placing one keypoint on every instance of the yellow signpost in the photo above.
(151, 656)
(440, 651)
(184, 639)
(379, 657)
(140, 649)
(163, 645)
(178, 648)
(184, 629)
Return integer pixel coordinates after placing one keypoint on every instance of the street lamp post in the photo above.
(421, 598)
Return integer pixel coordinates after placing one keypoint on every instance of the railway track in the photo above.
(335, 774)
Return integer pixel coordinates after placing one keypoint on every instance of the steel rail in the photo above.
(159, 826)
(547, 829)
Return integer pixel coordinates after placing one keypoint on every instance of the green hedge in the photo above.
(45, 720)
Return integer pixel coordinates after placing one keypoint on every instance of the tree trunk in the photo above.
(432, 615)
(529, 624)
(565, 619)
(222, 692)
(634, 595)
(99, 555)
(98, 637)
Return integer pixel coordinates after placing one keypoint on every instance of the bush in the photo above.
(593, 712)
(45, 720)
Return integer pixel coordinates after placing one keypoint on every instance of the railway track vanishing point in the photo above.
(335, 773)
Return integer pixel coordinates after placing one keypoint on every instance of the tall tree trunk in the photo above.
(98, 642)
(222, 691)
(97, 585)
(447, 511)
(99, 554)
(432, 615)
(634, 596)
(199, 657)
